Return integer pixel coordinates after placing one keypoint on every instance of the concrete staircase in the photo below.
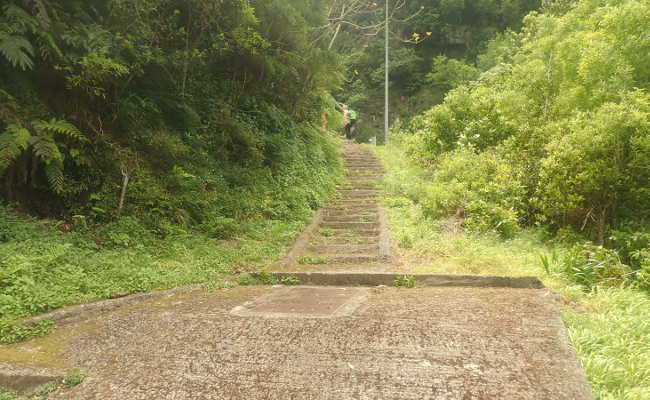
(351, 233)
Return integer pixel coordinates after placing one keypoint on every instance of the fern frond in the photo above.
(12, 142)
(46, 149)
(18, 51)
(54, 174)
(42, 14)
(20, 18)
(59, 126)
(47, 46)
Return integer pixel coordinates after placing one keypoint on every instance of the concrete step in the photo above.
(344, 240)
(365, 172)
(369, 163)
(359, 191)
(351, 218)
(344, 249)
(420, 280)
(364, 176)
(349, 208)
(346, 203)
(354, 204)
(351, 225)
(350, 233)
(359, 196)
(375, 267)
(325, 259)
(350, 211)
(365, 179)
(365, 169)
(363, 165)
(358, 186)
(360, 182)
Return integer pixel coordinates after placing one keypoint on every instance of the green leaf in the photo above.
(61, 127)
(12, 142)
(18, 51)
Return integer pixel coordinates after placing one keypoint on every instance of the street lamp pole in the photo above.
(386, 128)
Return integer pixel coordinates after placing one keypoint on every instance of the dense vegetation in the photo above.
(196, 108)
(554, 132)
(147, 130)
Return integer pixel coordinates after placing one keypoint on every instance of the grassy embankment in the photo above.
(609, 327)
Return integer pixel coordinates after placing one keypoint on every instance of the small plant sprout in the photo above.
(405, 281)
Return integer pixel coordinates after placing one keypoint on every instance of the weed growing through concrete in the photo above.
(314, 260)
(290, 281)
(405, 281)
(257, 278)
(327, 232)
(74, 378)
(348, 234)
(218, 284)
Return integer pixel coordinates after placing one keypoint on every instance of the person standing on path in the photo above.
(350, 121)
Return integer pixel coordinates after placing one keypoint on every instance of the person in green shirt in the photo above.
(350, 121)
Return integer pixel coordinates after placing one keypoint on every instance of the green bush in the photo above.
(632, 245)
(589, 169)
(565, 103)
(485, 217)
(591, 265)
(481, 187)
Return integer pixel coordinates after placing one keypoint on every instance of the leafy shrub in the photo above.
(449, 73)
(633, 246)
(485, 217)
(634, 249)
(591, 265)
(565, 104)
(220, 227)
(478, 118)
(126, 232)
(480, 187)
(588, 170)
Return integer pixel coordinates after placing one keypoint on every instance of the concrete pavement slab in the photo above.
(422, 343)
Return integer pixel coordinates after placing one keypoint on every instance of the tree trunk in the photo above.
(125, 183)
(601, 226)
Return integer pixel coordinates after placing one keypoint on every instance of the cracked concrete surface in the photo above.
(423, 343)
